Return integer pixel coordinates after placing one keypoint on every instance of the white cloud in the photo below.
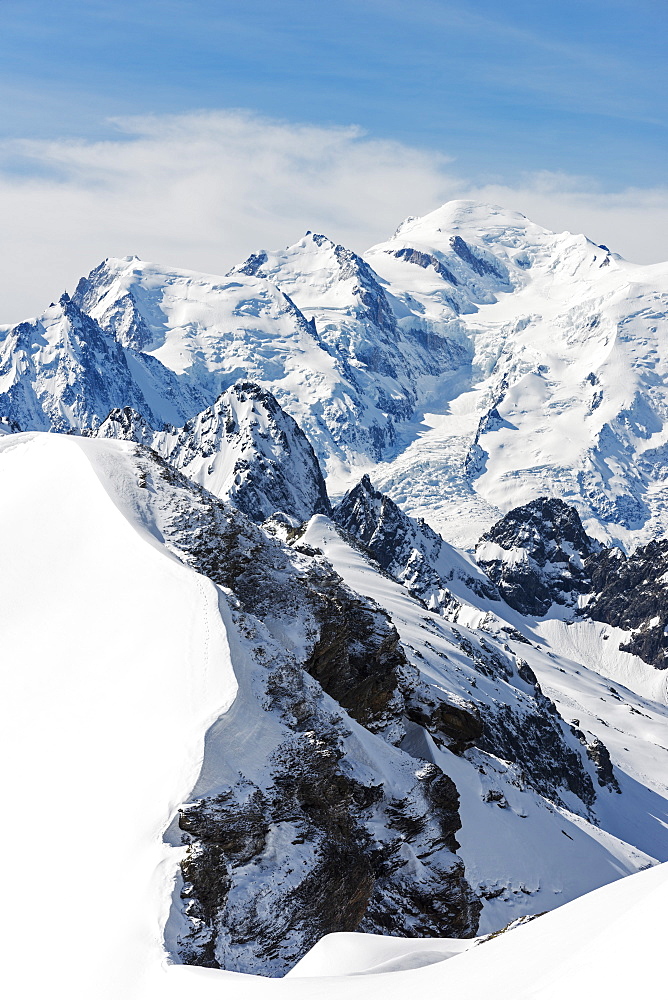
(202, 191)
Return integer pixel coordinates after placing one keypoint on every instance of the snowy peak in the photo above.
(62, 372)
(355, 322)
(109, 293)
(470, 219)
(184, 317)
(480, 251)
(389, 534)
(246, 449)
(320, 275)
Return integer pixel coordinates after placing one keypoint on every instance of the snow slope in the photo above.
(116, 662)
(605, 944)
(506, 849)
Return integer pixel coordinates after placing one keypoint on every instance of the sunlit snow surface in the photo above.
(116, 663)
(471, 363)
(573, 356)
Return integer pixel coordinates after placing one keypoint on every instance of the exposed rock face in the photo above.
(358, 660)
(479, 263)
(322, 830)
(404, 548)
(631, 592)
(525, 730)
(252, 910)
(425, 260)
(408, 549)
(599, 754)
(529, 732)
(540, 554)
(461, 728)
(536, 555)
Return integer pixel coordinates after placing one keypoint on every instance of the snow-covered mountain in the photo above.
(62, 372)
(332, 718)
(360, 740)
(565, 394)
(472, 363)
(243, 448)
(346, 385)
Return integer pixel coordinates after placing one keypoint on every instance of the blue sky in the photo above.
(574, 85)
(194, 132)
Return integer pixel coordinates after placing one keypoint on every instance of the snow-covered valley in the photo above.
(263, 725)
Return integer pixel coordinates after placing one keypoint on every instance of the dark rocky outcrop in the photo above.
(599, 755)
(528, 732)
(476, 261)
(125, 424)
(309, 840)
(631, 592)
(540, 554)
(538, 743)
(460, 728)
(357, 659)
(335, 873)
(407, 548)
(425, 260)
(536, 556)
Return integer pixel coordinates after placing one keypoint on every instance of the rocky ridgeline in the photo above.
(325, 828)
(408, 549)
(244, 448)
(539, 555)
(332, 825)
